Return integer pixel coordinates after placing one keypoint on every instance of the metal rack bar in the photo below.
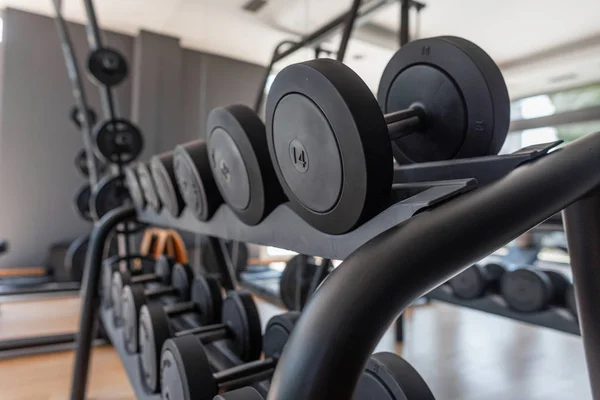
(464, 230)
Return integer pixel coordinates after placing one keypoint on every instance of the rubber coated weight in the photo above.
(163, 173)
(135, 188)
(329, 145)
(560, 284)
(289, 281)
(82, 202)
(186, 372)
(75, 258)
(76, 118)
(530, 290)
(148, 187)
(112, 264)
(82, 167)
(389, 377)
(462, 91)
(476, 280)
(107, 66)
(241, 315)
(239, 160)
(118, 141)
(195, 179)
(155, 325)
(109, 193)
(136, 295)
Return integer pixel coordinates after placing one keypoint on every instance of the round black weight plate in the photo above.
(163, 173)
(82, 202)
(206, 294)
(289, 282)
(241, 315)
(148, 187)
(181, 280)
(111, 264)
(134, 187)
(240, 163)
(195, 180)
(77, 119)
(469, 284)
(107, 66)
(75, 258)
(132, 301)
(571, 300)
(462, 91)
(279, 328)
(118, 141)
(389, 377)
(329, 144)
(560, 283)
(109, 193)
(185, 371)
(526, 290)
(151, 337)
(82, 167)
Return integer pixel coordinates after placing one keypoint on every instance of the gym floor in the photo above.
(461, 353)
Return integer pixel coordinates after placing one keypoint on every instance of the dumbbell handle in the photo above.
(245, 374)
(161, 291)
(180, 308)
(143, 278)
(405, 122)
(208, 333)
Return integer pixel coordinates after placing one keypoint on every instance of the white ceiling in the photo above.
(540, 44)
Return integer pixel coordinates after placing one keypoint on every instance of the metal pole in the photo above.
(383, 277)
(90, 297)
(274, 58)
(348, 27)
(582, 225)
(404, 21)
(224, 264)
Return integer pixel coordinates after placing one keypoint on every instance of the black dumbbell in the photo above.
(529, 290)
(111, 264)
(476, 280)
(163, 268)
(148, 187)
(186, 372)
(195, 179)
(155, 324)
(444, 98)
(135, 296)
(387, 376)
(571, 300)
(239, 159)
(163, 173)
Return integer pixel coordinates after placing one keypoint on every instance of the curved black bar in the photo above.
(89, 291)
(343, 322)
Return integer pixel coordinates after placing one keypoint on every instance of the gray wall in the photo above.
(169, 95)
(37, 140)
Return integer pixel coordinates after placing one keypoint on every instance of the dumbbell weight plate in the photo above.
(195, 180)
(560, 284)
(118, 141)
(289, 281)
(148, 187)
(207, 295)
(329, 145)
(111, 264)
(463, 92)
(277, 333)
(526, 290)
(240, 313)
(109, 193)
(163, 173)
(82, 167)
(107, 66)
(135, 189)
(240, 163)
(82, 202)
(389, 377)
(76, 119)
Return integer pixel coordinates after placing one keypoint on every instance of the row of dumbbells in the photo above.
(167, 315)
(525, 289)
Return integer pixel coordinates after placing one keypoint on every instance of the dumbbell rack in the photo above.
(417, 244)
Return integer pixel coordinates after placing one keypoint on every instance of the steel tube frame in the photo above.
(423, 253)
(348, 27)
(91, 298)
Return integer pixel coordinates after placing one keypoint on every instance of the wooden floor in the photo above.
(462, 354)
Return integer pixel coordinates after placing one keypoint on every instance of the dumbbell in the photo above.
(163, 173)
(571, 300)
(186, 372)
(476, 280)
(195, 179)
(329, 141)
(163, 268)
(239, 160)
(529, 290)
(155, 324)
(111, 265)
(134, 296)
(135, 188)
(148, 187)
